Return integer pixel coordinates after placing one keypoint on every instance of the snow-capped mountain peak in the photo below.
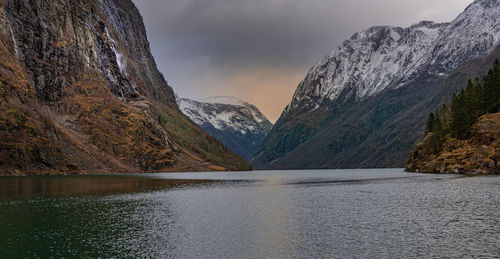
(386, 57)
(223, 112)
(237, 124)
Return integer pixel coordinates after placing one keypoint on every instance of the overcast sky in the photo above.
(259, 50)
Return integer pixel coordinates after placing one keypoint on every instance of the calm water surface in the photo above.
(282, 214)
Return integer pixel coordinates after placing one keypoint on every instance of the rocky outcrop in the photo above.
(80, 93)
(478, 154)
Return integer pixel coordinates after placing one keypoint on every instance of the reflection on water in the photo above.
(298, 214)
(26, 187)
(274, 216)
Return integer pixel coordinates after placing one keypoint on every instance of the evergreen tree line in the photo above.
(478, 98)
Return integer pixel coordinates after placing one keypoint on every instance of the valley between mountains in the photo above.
(81, 93)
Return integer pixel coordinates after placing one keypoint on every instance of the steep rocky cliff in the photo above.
(478, 154)
(237, 124)
(365, 104)
(80, 92)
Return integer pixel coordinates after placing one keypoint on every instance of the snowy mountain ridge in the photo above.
(224, 100)
(223, 112)
(385, 57)
(237, 124)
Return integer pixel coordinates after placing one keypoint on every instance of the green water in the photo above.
(288, 214)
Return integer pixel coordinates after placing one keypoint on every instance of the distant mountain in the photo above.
(237, 124)
(80, 93)
(365, 103)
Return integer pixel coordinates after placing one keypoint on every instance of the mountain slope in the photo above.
(80, 92)
(237, 124)
(464, 135)
(363, 105)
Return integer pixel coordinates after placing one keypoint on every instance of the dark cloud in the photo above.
(249, 47)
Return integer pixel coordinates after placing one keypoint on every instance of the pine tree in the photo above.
(478, 98)
(496, 86)
(458, 116)
(445, 118)
(438, 133)
(430, 122)
(489, 100)
(437, 125)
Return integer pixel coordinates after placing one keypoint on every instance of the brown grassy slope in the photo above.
(85, 127)
(94, 131)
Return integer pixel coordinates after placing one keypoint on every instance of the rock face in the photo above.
(237, 124)
(80, 92)
(359, 105)
(478, 154)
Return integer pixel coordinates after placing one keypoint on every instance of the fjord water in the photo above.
(330, 213)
